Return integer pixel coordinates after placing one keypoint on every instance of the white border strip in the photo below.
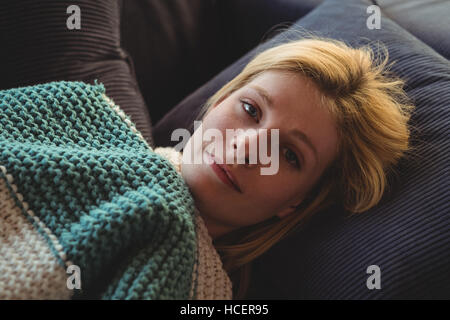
(58, 247)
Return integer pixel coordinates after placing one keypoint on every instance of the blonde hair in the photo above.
(371, 112)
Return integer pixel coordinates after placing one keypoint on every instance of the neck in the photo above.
(215, 229)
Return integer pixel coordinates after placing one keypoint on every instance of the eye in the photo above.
(292, 158)
(251, 110)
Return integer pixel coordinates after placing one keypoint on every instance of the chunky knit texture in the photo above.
(211, 281)
(79, 185)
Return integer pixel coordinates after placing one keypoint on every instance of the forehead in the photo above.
(286, 86)
(297, 105)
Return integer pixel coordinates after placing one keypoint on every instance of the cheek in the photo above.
(279, 188)
(198, 182)
(225, 116)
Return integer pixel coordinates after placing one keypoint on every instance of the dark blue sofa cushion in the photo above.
(427, 20)
(407, 235)
(38, 47)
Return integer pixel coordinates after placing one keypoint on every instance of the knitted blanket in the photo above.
(87, 208)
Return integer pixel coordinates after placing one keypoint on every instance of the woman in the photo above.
(342, 125)
(80, 189)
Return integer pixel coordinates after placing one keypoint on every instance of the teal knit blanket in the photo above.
(87, 208)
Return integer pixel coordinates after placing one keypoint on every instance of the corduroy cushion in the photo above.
(38, 47)
(407, 235)
(427, 20)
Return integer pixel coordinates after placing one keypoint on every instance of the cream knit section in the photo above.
(39, 275)
(210, 280)
(172, 155)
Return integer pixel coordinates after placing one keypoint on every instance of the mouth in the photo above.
(223, 174)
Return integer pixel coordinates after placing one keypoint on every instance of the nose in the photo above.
(246, 147)
(245, 159)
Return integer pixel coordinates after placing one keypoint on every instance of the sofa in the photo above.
(161, 60)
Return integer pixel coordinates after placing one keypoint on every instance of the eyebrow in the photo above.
(264, 94)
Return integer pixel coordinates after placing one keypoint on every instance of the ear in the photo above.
(288, 210)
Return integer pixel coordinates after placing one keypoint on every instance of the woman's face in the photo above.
(294, 106)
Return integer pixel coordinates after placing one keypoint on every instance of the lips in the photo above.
(224, 174)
